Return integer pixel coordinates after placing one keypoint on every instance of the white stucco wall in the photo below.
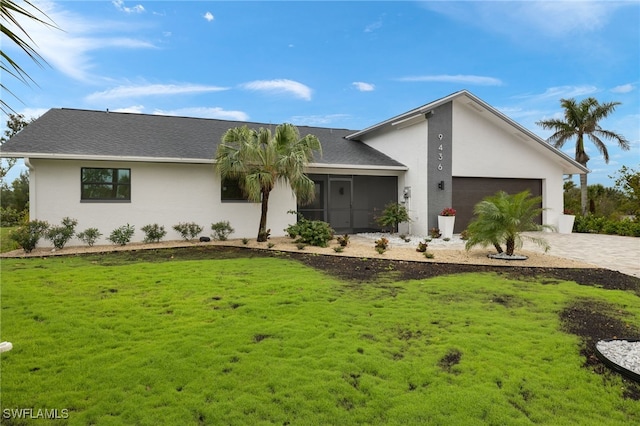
(408, 145)
(482, 148)
(162, 193)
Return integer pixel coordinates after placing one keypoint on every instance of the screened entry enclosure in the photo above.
(350, 203)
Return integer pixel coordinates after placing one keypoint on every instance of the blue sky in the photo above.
(338, 64)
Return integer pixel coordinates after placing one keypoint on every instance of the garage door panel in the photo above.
(468, 191)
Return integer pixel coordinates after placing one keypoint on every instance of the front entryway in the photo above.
(350, 203)
(340, 202)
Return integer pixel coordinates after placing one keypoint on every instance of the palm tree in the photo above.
(582, 119)
(10, 12)
(502, 218)
(257, 160)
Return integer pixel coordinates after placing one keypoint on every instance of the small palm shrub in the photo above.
(89, 236)
(60, 235)
(122, 235)
(28, 235)
(502, 218)
(153, 233)
(422, 247)
(188, 230)
(221, 230)
(392, 215)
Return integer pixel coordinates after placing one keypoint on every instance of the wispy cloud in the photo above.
(543, 18)
(205, 112)
(373, 26)
(318, 120)
(134, 91)
(119, 4)
(477, 80)
(295, 88)
(625, 88)
(363, 87)
(69, 48)
(209, 16)
(135, 109)
(561, 92)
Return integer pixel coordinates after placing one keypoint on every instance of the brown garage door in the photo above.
(468, 191)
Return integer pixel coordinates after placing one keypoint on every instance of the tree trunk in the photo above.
(583, 193)
(511, 246)
(262, 229)
(498, 248)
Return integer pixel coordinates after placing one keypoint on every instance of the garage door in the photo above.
(468, 191)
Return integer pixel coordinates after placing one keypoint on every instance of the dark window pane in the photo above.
(231, 190)
(105, 184)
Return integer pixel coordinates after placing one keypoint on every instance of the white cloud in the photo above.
(152, 90)
(373, 26)
(562, 92)
(209, 16)
(135, 109)
(363, 87)
(295, 88)
(206, 112)
(543, 18)
(68, 48)
(460, 79)
(625, 88)
(318, 120)
(119, 4)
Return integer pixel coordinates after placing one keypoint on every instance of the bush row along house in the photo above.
(108, 169)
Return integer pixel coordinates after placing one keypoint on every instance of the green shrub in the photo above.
(314, 232)
(338, 249)
(221, 230)
(28, 235)
(122, 235)
(601, 225)
(11, 217)
(422, 247)
(392, 215)
(153, 233)
(60, 235)
(89, 236)
(435, 233)
(188, 230)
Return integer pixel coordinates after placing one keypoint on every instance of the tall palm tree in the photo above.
(10, 13)
(258, 160)
(502, 218)
(582, 119)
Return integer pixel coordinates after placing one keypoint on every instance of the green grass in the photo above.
(270, 341)
(6, 243)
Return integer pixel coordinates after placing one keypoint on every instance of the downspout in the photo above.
(32, 189)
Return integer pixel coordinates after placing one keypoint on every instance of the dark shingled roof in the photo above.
(81, 133)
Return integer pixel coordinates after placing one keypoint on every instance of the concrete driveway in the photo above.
(607, 251)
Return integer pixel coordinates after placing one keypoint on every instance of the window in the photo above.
(231, 190)
(105, 184)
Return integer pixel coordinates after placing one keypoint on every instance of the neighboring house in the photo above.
(108, 169)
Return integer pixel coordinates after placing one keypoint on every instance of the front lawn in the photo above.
(271, 341)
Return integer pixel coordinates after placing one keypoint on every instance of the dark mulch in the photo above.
(589, 319)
